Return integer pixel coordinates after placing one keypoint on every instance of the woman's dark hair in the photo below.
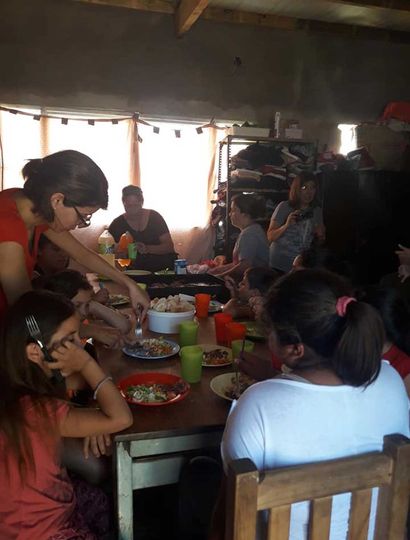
(129, 191)
(68, 283)
(296, 187)
(250, 204)
(301, 307)
(261, 278)
(394, 311)
(69, 172)
(19, 377)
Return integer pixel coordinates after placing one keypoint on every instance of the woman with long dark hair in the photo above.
(37, 498)
(337, 399)
(61, 192)
(295, 223)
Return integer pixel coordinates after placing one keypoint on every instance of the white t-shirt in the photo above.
(281, 422)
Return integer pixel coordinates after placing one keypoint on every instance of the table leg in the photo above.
(124, 491)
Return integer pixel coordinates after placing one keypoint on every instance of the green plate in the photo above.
(254, 330)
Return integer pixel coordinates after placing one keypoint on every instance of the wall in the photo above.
(66, 54)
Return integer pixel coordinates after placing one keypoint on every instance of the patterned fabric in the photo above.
(91, 517)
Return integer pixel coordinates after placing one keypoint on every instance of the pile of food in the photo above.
(172, 304)
(155, 393)
(153, 347)
(216, 357)
(233, 391)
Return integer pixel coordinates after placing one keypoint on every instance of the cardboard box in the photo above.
(248, 131)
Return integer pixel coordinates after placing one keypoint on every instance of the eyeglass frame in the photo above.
(85, 221)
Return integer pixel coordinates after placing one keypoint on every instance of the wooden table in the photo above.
(151, 452)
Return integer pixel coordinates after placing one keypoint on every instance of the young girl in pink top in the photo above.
(37, 498)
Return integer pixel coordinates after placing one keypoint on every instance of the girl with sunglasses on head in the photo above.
(38, 499)
(61, 192)
(337, 399)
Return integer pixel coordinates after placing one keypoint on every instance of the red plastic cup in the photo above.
(234, 330)
(221, 320)
(202, 304)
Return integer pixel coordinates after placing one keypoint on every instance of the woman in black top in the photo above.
(155, 249)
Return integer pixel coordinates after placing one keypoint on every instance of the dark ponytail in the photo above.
(69, 172)
(301, 307)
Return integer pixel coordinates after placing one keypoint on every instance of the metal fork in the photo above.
(35, 333)
(138, 326)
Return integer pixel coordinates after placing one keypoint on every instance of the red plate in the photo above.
(152, 378)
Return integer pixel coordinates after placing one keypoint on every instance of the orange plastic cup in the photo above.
(221, 320)
(202, 304)
(234, 331)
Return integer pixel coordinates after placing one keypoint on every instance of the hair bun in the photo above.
(32, 167)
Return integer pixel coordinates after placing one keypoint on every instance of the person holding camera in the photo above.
(295, 223)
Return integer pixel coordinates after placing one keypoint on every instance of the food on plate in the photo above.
(172, 304)
(116, 299)
(232, 391)
(154, 393)
(216, 357)
(153, 347)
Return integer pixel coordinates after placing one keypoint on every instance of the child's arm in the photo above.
(114, 414)
(110, 316)
(107, 335)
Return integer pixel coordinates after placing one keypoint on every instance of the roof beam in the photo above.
(396, 5)
(187, 13)
(158, 6)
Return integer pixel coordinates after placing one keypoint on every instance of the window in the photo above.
(348, 139)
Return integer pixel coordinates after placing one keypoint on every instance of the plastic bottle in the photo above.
(126, 248)
(106, 246)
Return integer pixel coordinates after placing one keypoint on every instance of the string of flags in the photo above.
(135, 117)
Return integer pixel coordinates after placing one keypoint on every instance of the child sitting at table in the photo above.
(37, 498)
(76, 287)
(255, 283)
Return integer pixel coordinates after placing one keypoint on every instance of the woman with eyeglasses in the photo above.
(295, 223)
(61, 192)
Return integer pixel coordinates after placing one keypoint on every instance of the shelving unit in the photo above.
(274, 161)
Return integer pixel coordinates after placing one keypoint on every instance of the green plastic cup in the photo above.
(188, 333)
(237, 347)
(191, 363)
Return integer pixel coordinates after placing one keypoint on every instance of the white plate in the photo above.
(211, 347)
(143, 354)
(137, 272)
(118, 300)
(221, 383)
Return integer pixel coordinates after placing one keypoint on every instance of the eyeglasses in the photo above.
(85, 221)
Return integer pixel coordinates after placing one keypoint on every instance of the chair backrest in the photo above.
(249, 491)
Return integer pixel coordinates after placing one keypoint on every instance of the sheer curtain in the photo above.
(177, 178)
(176, 174)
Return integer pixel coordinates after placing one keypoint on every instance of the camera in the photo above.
(307, 213)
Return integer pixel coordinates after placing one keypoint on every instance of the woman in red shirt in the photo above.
(60, 193)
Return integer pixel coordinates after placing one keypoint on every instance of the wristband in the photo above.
(101, 383)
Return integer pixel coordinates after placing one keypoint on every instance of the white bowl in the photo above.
(167, 323)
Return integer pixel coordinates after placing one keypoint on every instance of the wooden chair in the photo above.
(249, 491)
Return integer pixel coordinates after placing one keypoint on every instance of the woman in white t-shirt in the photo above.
(295, 223)
(338, 400)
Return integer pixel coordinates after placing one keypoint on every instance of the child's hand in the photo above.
(70, 358)
(404, 272)
(256, 303)
(102, 296)
(99, 445)
(130, 338)
(230, 284)
(403, 254)
(108, 336)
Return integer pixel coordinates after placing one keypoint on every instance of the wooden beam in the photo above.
(395, 5)
(158, 6)
(279, 22)
(310, 26)
(187, 13)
